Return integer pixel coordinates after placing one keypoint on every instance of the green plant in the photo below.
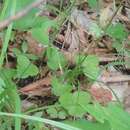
(72, 101)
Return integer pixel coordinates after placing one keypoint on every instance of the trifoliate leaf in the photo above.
(76, 110)
(25, 68)
(41, 33)
(66, 100)
(81, 97)
(117, 31)
(59, 88)
(73, 102)
(28, 20)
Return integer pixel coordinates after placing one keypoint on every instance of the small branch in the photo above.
(20, 14)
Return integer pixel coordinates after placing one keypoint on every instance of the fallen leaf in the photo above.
(101, 95)
(39, 88)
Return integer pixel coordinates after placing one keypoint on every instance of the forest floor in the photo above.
(81, 48)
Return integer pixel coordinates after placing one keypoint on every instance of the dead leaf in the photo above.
(105, 15)
(39, 88)
(102, 95)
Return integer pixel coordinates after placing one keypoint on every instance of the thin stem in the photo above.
(113, 16)
(41, 108)
(2, 57)
(6, 3)
(43, 120)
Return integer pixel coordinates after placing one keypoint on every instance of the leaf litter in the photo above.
(76, 39)
(79, 37)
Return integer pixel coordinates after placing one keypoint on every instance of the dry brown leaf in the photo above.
(102, 95)
(105, 15)
(39, 88)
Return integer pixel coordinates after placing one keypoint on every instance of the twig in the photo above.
(113, 16)
(20, 14)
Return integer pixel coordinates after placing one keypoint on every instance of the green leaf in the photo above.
(88, 125)
(113, 113)
(56, 59)
(118, 46)
(2, 86)
(62, 114)
(73, 102)
(25, 68)
(32, 57)
(117, 31)
(73, 108)
(42, 120)
(65, 100)
(81, 98)
(52, 112)
(7, 73)
(41, 33)
(2, 83)
(16, 52)
(26, 21)
(92, 3)
(96, 110)
(24, 47)
(117, 117)
(90, 67)
(60, 88)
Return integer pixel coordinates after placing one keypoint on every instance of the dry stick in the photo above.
(20, 14)
(113, 16)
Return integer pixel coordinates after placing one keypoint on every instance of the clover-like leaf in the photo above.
(117, 31)
(28, 20)
(59, 88)
(41, 33)
(25, 68)
(73, 102)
